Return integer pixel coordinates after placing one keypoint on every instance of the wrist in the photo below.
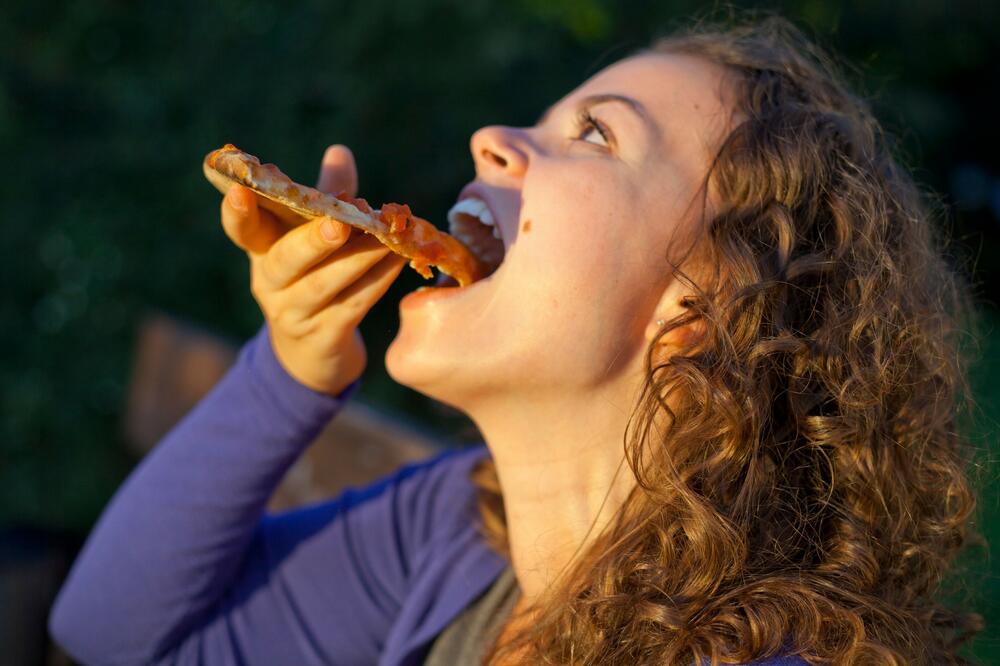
(329, 379)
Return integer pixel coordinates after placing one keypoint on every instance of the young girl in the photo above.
(716, 375)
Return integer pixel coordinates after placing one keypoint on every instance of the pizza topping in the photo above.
(395, 216)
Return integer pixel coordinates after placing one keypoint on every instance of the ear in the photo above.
(673, 304)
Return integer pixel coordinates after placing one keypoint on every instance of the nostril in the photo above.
(490, 156)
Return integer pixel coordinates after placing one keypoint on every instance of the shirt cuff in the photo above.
(278, 388)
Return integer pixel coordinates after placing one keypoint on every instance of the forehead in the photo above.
(680, 82)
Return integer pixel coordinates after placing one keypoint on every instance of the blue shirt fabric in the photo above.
(186, 567)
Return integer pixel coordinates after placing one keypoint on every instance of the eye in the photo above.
(591, 130)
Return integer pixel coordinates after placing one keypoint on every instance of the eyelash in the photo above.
(586, 122)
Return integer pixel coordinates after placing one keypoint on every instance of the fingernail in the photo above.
(237, 202)
(327, 231)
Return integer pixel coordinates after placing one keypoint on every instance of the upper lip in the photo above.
(477, 191)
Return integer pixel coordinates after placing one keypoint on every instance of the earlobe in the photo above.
(676, 337)
(676, 301)
(653, 328)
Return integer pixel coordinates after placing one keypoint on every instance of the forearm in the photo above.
(172, 539)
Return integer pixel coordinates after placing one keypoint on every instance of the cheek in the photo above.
(579, 216)
(579, 279)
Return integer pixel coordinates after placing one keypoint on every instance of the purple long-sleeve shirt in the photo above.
(185, 567)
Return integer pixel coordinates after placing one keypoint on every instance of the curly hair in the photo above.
(801, 484)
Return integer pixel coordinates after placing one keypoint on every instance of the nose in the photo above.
(499, 150)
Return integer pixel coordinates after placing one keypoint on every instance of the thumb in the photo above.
(338, 172)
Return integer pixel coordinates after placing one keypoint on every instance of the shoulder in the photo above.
(444, 474)
(449, 466)
(438, 492)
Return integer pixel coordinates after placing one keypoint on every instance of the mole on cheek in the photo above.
(526, 227)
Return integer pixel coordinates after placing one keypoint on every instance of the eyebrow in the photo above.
(593, 100)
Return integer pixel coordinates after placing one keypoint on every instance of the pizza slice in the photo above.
(394, 225)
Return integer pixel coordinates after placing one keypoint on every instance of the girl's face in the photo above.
(590, 203)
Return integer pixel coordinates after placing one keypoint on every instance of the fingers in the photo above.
(353, 303)
(318, 288)
(338, 172)
(251, 228)
(300, 249)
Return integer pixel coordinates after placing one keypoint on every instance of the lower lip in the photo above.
(427, 295)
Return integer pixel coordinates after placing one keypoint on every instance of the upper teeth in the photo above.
(475, 208)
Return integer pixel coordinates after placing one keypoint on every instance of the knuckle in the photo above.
(332, 325)
(315, 281)
(255, 289)
(286, 321)
(258, 283)
(269, 267)
(353, 308)
(267, 305)
(278, 254)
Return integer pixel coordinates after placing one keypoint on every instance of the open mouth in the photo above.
(472, 223)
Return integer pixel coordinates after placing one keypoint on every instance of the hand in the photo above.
(315, 282)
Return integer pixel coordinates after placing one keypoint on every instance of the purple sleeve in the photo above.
(183, 567)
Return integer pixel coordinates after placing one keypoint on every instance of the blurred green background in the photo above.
(106, 109)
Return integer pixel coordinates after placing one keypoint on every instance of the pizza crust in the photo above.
(395, 226)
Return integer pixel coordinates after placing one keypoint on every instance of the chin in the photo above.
(410, 366)
(441, 377)
(399, 365)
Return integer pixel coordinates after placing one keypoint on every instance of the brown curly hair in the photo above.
(801, 484)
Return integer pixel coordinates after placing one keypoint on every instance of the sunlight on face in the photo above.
(589, 202)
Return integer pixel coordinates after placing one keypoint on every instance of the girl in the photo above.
(716, 377)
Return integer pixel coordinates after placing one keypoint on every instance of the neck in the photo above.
(563, 474)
